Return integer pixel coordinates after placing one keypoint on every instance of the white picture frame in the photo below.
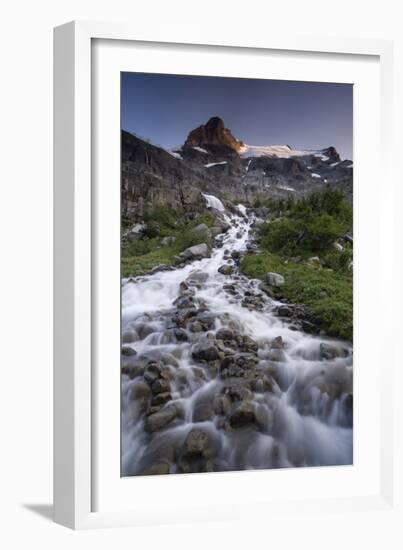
(77, 472)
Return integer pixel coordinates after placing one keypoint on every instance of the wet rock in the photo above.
(160, 386)
(205, 351)
(196, 252)
(181, 335)
(196, 278)
(247, 344)
(285, 311)
(206, 319)
(144, 329)
(196, 444)
(235, 254)
(128, 351)
(129, 336)
(236, 391)
(158, 469)
(152, 372)
(195, 326)
(183, 316)
(160, 399)
(277, 343)
(329, 352)
(309, 327)
(222, 404)
(225, 334)
(243, 414)
(266, 289)
(160, 419)
(139, 390)
(238, 365)
(184, 302)
(132, 371)
(274, 279)
(225, 270)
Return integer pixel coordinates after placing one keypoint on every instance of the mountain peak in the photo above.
(213, 132)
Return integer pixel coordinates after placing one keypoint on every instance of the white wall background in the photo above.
(26, 263)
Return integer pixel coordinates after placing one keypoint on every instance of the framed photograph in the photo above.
(220, 231)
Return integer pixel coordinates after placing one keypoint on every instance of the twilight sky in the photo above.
(306, 115)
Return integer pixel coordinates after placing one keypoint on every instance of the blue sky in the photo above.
(164, 108)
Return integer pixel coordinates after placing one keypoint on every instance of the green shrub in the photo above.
(163, 216)
(152, 229)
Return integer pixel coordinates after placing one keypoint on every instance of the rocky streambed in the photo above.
(219, 376)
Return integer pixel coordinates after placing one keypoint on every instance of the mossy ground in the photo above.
(142, 255)
(328, 295)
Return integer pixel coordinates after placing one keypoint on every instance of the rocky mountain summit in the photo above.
(213, 133)
(212, 160)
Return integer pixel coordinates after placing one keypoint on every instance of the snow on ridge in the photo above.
(175, 154)
(210, 164)
(200, 149)
(316, 175)
(279, 151)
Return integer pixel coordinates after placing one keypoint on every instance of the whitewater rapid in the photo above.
(296, 411)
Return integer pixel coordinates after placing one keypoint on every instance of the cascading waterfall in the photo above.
(214, 202)
(213, 380)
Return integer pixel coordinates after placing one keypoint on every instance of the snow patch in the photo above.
(210, 164)
(175, 154)
(200, 149)
(316, 175)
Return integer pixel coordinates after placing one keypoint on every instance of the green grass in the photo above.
(328, 295)
(142, 255)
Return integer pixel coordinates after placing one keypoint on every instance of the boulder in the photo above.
(225, 270)
(128, 351)
(274, 279)
(196, 444)
(139, 390)
(202, 228)
(205, 351)
(277, 343)
(225, 334)
(243, 414)
(215, 231)
(168, 241)
(160, 399)
(196, 252)
(314, 261)
(184, 302)
(248, 344)
(181, 335)
(160, 386)
(197, 277)
(160, 419)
